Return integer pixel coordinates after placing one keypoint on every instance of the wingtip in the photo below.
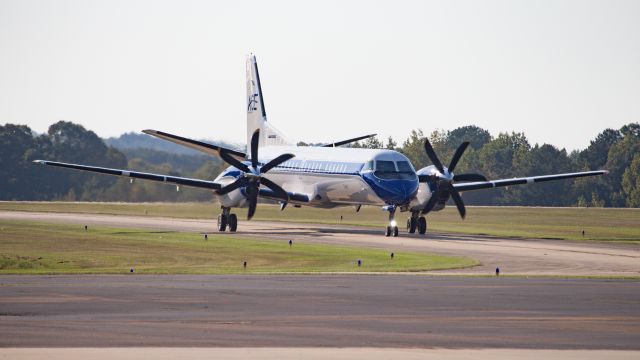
(149, 131)
(39, 162)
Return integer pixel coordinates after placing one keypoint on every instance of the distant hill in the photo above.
(183, 164)
(138, 140)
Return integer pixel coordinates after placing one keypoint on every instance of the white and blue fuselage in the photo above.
(331, 177)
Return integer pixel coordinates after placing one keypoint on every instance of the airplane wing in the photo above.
(194, 144)
(348, 141)
(293, 197)
(203, 184)
(525, 180)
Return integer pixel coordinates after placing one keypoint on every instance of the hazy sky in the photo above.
(560, 71)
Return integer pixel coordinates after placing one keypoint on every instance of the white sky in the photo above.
(560, 71)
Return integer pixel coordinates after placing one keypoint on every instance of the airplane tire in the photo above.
(422, 225)
(395, 231)
(388, 231)
(411, 225)
(222, 222)
(233, 222)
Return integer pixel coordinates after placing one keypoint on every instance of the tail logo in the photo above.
(253, 98)
(253, 102)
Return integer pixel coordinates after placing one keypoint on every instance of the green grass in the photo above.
(42, 248)
(599, 224)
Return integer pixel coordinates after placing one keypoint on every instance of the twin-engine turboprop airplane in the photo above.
(274, 169)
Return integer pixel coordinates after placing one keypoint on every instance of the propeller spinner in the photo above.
(252, 178)
(446, 178)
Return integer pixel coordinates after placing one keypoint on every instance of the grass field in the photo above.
(601, 224)
(43, 248)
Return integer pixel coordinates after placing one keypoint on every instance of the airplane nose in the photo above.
(396, 191)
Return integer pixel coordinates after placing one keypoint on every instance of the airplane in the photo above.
(274, 169)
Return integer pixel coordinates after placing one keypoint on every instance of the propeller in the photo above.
(252, 178)
(445, 178)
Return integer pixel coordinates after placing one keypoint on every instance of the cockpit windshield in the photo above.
(390, 170)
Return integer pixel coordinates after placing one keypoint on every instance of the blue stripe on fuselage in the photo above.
(392, 191)
(307, 166)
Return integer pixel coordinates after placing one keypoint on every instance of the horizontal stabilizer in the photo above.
(194, 144)
(349, 141)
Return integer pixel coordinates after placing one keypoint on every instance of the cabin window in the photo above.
(368, 166)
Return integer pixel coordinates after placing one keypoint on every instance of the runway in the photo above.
(335, 316)
(529, 257)
(379, 311)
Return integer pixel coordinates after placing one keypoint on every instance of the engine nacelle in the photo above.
(235, 198)
(424, 189)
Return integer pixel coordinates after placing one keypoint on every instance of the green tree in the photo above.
(619, 160)
(18, 147)
(476, 136)
(631, 183)
(504, 157)
(542, 160)
(373, 143)
(73, 143)
(595, 156)
(413, 148)
(391, 144)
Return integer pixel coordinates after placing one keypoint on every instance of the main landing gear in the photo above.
(227, 219)
(416, 223)
(392, 228)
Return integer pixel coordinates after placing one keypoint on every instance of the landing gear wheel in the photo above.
(233, 222)
(222, 222)
(411, 225)
(395, 231)
(422, 225)
(388, 231)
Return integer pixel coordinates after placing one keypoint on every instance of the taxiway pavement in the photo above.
(384, 311)
(527, 257)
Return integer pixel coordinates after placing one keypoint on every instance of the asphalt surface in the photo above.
(335, 312)
(385, 311)
(512, 256)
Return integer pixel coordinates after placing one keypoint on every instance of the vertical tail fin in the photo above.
(256, 113)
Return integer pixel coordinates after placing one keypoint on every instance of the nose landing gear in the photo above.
(392, 228)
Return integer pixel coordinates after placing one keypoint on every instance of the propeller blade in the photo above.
(252, 193)
(279, 192)
(234, 185)
(456, 157)
(255, 139)
(233, 161)
(469, 177)
(431, 203)
(432, 155)
(455, 195)
(275, 162)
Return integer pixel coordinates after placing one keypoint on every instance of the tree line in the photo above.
(503, 156)
(64, 141)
